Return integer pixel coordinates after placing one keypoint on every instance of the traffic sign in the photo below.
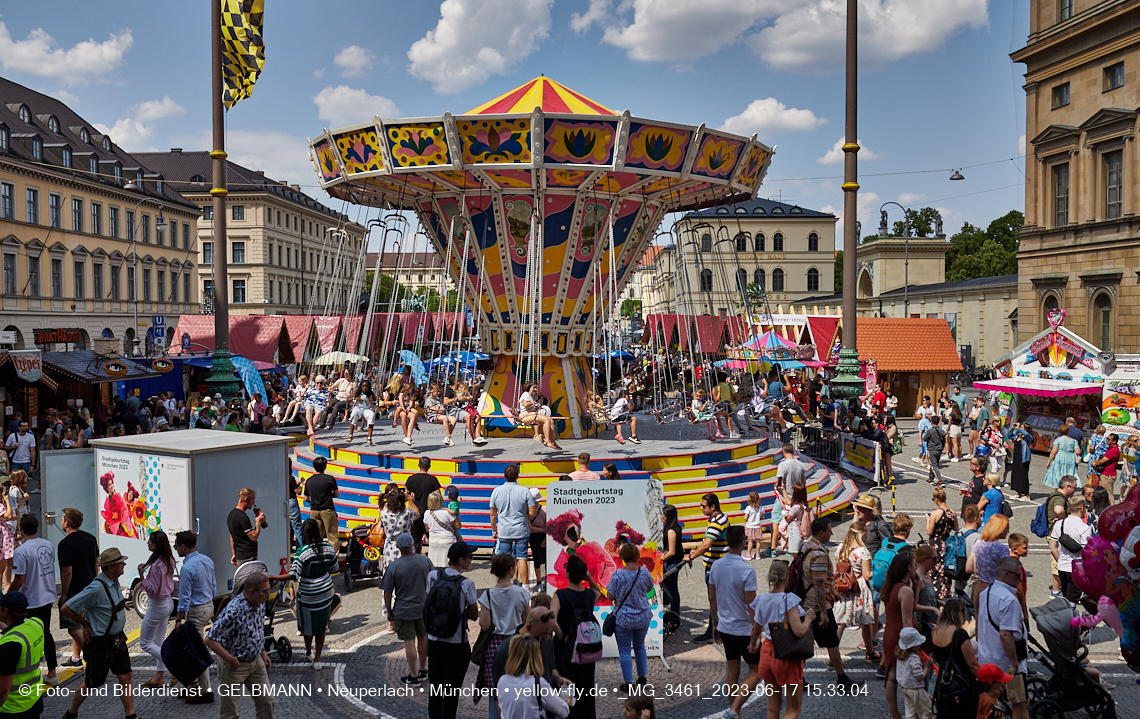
(159, 320)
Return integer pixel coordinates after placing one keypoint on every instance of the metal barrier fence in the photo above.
(822, 445)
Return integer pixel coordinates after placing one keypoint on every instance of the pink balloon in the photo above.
(1110, 615)
(1119, 519)
(1100, 573)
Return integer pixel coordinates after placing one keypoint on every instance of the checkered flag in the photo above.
(243, 48)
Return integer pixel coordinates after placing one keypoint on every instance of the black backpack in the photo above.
(444, 610)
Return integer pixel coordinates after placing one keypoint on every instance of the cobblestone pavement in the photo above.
(364, 657)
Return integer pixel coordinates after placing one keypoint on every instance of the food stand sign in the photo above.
(28, 363)
(1120, 405)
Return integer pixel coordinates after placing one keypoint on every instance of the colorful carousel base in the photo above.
(681, 457)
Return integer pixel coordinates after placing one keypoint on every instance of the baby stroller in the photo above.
(282, 595)
(1069, 688)
(363, 561)
(671, 621)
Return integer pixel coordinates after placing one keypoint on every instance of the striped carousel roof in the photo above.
(541, 92)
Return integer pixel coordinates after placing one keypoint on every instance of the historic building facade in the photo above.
(1080, 246)
(94, 243)
(283, 245)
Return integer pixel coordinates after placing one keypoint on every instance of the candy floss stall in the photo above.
(1055, 375)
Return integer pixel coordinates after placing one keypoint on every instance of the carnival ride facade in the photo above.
(541, 202)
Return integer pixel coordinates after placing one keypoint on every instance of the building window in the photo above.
(33, 203)
(185, 235)
(66, 153)
(161, 287)
(53, 124)
(146, 285)
(777, 246)
(77, 215)
(113, 221)
(96, 218)
(118, 169)
(295, 219)
(7, 201)
(207, 213)
(238, 253)
(97, 281)
(33, 276)
(1049, 304)
(813, 242)
(706, 280)
(758, 278)
(93, 165)
(25, 115)
(706, 242)
(130, 225)
(741, 280)
(279, 295)
(207, 288)
(1114, 184)
(106, 143)
(85, 136)
(1061, 96)
(5, 139)
(160, 236)
(57, 278)
(289, 293)
(80, 271)
(270, 283)
(777, 280)
(187, 296)
(158, 186)
(239, 292)
(1066, 10)
(278, 255)
(1102, 320)
(1113, 76)
(173, 286)
(742, 242)
(1061, 193)
(38, 149)
(813, 280)
(207, 253)
(116, 271)
(239, 212)
(279, 218)
(132, 291)
(55, 210)
(9, 274)
(144, 229)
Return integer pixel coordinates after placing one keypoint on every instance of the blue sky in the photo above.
(937, 88)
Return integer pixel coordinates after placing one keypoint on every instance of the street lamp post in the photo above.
(159, 225)
(883, 232)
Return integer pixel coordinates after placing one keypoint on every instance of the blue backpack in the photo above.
(883, 558)
(1041, 524)
(954, 567)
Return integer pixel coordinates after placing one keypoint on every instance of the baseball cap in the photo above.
(993, 673)
(405, 541)
(14, 600)
(459, 550)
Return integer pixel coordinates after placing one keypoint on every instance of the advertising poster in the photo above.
(592, 520)
(860, 457)
(1120, 405)
(138, 494)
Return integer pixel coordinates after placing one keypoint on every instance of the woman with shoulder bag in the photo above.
(855, 606)
(525, 693)
(317, 599)
(630, 584)
(567, 605)
(956, 693)
(442, 527)
(779, 611)
(159, 586)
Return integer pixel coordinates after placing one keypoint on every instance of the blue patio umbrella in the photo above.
(419, 374)
(249, 376)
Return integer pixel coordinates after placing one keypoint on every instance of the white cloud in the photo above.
(834, 156)
(771, 117)
(354, 61)
(595, 13)
(909, 198)
(38, 55)
(810, 38)
(680, 30)
(343, 105)
(474, 40)
(135, 133)
(1021, 146)
(319, 73)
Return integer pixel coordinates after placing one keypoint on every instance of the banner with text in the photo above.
(860, 457)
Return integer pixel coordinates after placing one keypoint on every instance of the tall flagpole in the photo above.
(222, 380)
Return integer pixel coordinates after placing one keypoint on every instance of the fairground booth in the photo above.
(1055, 375)
(912, 356)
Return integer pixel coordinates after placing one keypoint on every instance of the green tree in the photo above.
(388, 288)
(839, 272)
(975, 252)
(921, 223)
(631, 308)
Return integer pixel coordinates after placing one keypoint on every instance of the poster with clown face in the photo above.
(592, 520)
(138, 494)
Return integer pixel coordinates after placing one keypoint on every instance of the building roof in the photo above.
(72, 128)
(407, 261)
(907, 344)
(977, 283)
(88, 366)
(255, 337)
(650, 257)
(759, 208)
(181, 168)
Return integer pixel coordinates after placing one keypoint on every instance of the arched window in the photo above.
(741, 280)
(777, 244)
(106, 143)
(1102, 320)
(85, 136)
(706, 242)
(759, 242)
(813, 280)
(813, 242)
(706, 280)
(758, 277)
(1050, 303)
(742, 242)
(53, 124)
(25, 115)
(777, 280)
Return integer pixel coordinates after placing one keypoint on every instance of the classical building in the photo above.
(1080, 246)
(786, 250)
(94, 242)
(282, 243)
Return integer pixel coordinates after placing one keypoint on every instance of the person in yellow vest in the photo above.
(21, 651)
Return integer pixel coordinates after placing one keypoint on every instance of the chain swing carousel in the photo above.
(540, 203)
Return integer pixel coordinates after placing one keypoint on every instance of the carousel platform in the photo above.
(679, 455)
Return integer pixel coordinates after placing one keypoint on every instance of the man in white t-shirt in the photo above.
(1001, 632)
(1075, 528)
(24, 455)
(33, 574)
(732, 588)
(170, 404)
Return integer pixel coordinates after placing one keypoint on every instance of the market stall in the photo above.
(1053, 376)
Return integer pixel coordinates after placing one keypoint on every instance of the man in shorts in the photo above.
(789, 473)
(732, 587)
(819, 576)
(101, 611)
(512, 508)
(407, 579)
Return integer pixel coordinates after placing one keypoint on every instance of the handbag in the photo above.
(845, 579)
(377, 535)
(448, 526)
(785, 644)
(1070, 544)
(484, 639)
(609, 626)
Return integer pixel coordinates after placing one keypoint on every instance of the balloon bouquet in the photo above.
(1109, 572)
